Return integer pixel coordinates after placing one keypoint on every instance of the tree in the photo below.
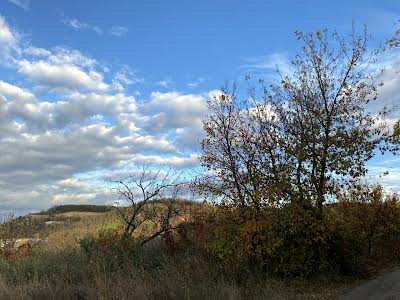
(151, 196)
(247, 166)
(305, 136)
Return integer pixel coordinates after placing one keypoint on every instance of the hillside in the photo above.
(80, 259)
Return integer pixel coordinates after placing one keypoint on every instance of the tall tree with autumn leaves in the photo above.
(302, 139)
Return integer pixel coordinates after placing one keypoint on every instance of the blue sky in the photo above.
(88, 87)
(184, 40)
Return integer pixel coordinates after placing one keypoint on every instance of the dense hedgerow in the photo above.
(358, 234)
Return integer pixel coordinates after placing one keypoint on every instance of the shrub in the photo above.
(299, 243)
(367, 226)
(289, 241)
(108, 248)
(357, 235)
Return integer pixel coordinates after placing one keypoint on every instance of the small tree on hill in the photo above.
(151, 197)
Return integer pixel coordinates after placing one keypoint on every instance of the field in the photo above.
(62, 269)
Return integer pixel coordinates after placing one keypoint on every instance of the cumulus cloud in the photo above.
(81, 107)
(67, 116)
(174, 114)
(8, 40)
(62, 75)
(52, 142)
(29, 161)
(6, 36)
(171, 110)
(38, 52)
(73, 121)
(15, 93)
(16, 103)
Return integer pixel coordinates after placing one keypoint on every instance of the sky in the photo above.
(88, 88)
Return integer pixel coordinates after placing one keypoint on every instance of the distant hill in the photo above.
(59, 209)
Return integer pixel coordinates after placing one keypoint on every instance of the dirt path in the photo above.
(385, 287)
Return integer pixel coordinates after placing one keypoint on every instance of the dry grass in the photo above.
(186, 278)
(61, 270)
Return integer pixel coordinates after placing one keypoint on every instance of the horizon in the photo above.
(88, 89)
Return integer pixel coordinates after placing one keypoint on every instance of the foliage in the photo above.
(368, 223)
(303, 138)
(286, 242)
(359, 234)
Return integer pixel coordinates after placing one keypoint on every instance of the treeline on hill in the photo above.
(284, 170)
(59, 209)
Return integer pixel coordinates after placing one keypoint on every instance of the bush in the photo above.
(108, 248)
(302, 243)
(289, 241)
(357, 235)
(367, 229)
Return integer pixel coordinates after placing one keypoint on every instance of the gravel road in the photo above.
(385, 287)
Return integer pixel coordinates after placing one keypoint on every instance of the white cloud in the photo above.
(173, 110)
(82, 107)
(269, 64)
(386, 172)
(178, 116)
(178, 162)
(196, 82)
(73, 109)
(21, 104)
(118, 30)
(6, 36)
(21, 3)
(39, 161)
(78, 118)
(125, 77)
(14, 93)
(34, 51)
(62, 75)
(79, 25)
(62, 55)
(165, 83)
(389, 93)
(8, 41)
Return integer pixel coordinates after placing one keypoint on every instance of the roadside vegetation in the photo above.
(289, 211)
